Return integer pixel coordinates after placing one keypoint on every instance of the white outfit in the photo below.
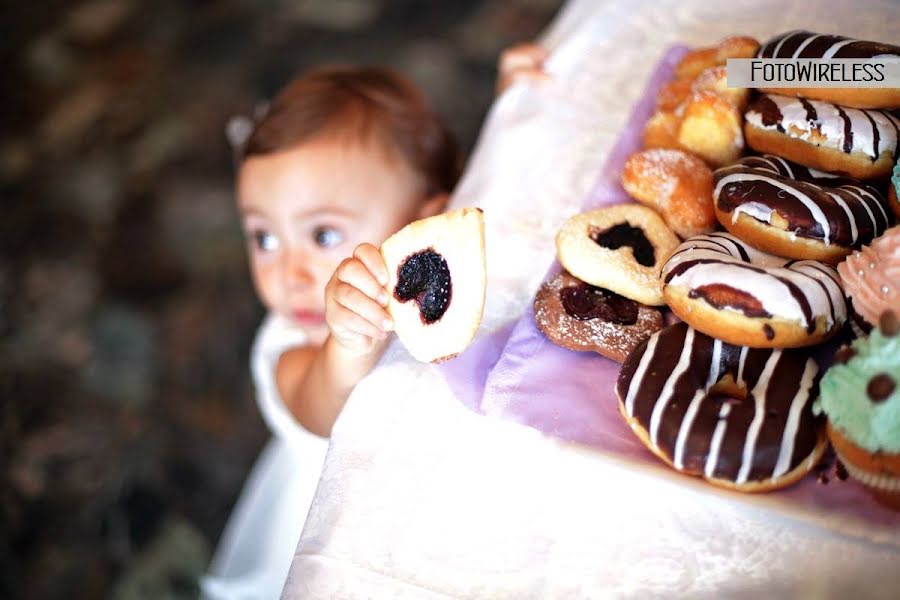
(258, 542)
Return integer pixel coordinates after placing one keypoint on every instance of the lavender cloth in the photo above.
(516, 374)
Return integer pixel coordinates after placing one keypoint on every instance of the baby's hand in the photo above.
(522, 61)
(355, 300)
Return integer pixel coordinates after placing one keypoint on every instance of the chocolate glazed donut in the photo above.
(670, 391)
(790, 210)
(806, 44)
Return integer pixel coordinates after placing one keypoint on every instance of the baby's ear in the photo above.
(434, 205)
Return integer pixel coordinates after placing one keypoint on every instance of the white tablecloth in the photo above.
(421, 497)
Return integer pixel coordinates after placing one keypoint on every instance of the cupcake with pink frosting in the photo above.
(871, 277)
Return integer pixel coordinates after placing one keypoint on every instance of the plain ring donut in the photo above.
(731, 291)
(713, 409)
(789, 210)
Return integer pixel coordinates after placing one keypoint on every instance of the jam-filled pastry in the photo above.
(727, 289)
(739, 417)
(676, 184)
(860, 395)
(579, 316)
(871, 277)
(789, 210)
(859, 143)
(619, 248)
(437, 283)
(806, 44)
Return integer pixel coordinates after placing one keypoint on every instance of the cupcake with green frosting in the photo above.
(860, 395)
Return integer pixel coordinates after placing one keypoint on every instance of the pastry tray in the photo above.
(519, 375)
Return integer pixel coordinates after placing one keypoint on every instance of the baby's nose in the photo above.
(297, 271)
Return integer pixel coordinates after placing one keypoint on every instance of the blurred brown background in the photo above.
(127, 418)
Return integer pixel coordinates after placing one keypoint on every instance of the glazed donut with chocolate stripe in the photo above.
(806, 44)
(789, 210)
(860, 143)
(727, 289)
(739, 417)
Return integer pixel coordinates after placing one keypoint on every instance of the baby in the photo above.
(343, 158)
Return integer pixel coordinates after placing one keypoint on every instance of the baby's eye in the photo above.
(265, 241)
(327, 237)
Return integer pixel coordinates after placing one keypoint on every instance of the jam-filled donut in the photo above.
(805, 44)
(437, 283)
(579, 316)
(727, 289)
(789, 210)
(860, 143)
(619, 248)
(737, 416)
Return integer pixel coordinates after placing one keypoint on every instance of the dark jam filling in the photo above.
(719, 295)
(624, 234)
(584, 302)
(425, 278)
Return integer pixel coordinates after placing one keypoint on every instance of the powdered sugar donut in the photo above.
(727, 289)
(789, 210)
(579, 316)
(676, 184)
(714, 410)
(619, 248)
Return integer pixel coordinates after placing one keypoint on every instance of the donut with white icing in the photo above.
(859, 143)
(731, 291)
(739, 417)
(789, 210)
(806, 44)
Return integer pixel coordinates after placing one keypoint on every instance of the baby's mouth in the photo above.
(309, 318)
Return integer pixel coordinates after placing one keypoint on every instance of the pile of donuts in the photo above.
(762, 227)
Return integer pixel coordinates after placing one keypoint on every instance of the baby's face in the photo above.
(305, 209)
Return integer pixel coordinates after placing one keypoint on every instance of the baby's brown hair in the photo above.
(361, 104)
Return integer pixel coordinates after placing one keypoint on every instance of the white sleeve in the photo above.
(274, 337)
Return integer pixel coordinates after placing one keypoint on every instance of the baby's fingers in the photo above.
(523, 56)
(370, 256)
(350, 328)
(350, 298)
(355, 273)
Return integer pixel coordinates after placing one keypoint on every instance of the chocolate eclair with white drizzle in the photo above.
(859, 143)
(731, 291)
(786, 209)
(806, 44)
(714, 410)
